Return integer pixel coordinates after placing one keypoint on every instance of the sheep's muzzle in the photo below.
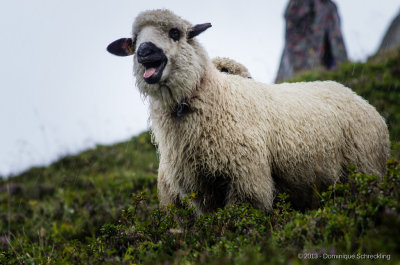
(154, 61)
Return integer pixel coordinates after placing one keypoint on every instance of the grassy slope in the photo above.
(101, 207)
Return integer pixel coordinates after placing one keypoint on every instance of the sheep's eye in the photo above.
(174, 34)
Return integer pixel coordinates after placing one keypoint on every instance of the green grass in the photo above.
(101, 207)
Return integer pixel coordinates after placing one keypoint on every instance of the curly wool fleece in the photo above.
(244, 141)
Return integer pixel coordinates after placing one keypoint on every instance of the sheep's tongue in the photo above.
(149, 72)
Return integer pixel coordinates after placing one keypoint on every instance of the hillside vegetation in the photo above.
(101, 207)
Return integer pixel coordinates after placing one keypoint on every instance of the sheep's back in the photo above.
(321, 128)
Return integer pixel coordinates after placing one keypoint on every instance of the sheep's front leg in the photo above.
(258, 191)
(165, 192)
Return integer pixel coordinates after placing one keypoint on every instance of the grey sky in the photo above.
(61, 92)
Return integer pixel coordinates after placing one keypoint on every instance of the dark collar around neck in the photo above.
(181, 109)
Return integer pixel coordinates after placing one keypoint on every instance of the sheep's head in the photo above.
(168, 61)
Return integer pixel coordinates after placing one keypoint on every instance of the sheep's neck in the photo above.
(183, 108)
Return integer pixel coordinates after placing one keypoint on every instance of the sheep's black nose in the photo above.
(147, 49)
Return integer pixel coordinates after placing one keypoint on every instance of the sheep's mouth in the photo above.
(154, 70)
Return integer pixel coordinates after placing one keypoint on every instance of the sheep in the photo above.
(230, 66)
(230, 140)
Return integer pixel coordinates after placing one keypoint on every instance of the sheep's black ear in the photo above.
(197, 29)
(122, 47)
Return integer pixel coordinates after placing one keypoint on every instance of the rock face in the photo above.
(313, 38)
(391, 39)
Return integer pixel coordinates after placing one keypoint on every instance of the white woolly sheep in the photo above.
(230, 139)
(230, 66)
